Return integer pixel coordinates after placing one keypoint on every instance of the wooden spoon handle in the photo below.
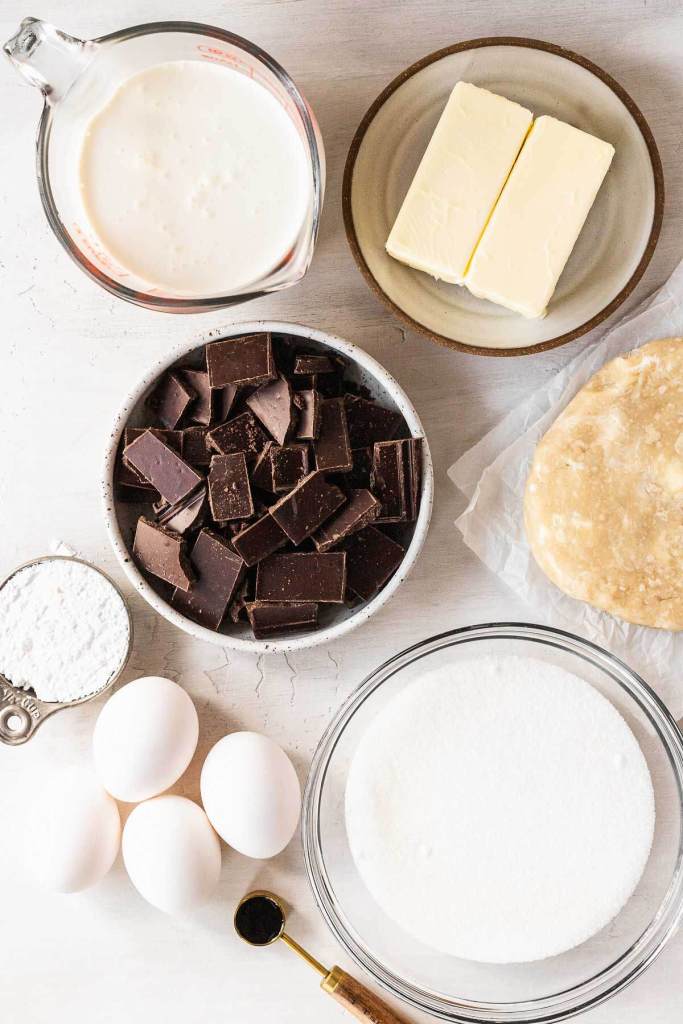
(358, 1000)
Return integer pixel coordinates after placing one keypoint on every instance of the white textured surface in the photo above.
(500, 809)
(69, 354)
(65, 630)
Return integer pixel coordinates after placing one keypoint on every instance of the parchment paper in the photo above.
(492, 476)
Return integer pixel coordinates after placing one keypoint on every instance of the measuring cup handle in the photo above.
(363, 1004)
(49, 58)
(20, 714)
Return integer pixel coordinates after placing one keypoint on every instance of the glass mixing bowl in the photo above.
(461, 990)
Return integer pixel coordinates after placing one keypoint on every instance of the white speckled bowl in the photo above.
(119, 516)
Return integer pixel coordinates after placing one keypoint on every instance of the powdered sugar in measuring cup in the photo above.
(65, 636)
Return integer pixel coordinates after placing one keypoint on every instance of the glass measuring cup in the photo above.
(77, 77)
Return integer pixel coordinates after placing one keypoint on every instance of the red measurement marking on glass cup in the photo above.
(96, 253)
(218, 56)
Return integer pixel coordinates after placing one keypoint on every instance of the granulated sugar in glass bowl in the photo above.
(450, 986)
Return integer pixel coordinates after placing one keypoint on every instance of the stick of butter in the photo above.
(539, 217)
(459, 179)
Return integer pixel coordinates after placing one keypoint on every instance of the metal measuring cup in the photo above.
(21, 712)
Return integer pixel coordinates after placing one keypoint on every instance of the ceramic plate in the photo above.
(617, 240)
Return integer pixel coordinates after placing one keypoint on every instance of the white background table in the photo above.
(69, 353)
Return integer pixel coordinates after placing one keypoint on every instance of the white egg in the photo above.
(75, 832)
(251, 794)
(144, 738)
(171, 853)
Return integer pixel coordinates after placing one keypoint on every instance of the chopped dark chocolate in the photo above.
(162, 553)
(201, 408)
(229, 489)
(412, 458)
(279, 468)
(362, 509)
(187, 515)
(258, 540)
(372, 558)
(170, 399)
(194, 448)
(332, 449)
(304, 461)
(162, 467)
(238, 605)
(224, 401)
(242, 361)
(272, 404)
(289, 465)
(262, 472)
(241, 434)
(369, 422)
(311, 364)
(307, 506)
(308, 403)
(389, 482)
(269, 618)
(302, 576)
(219, 571)
(126, 474)
(362, 468)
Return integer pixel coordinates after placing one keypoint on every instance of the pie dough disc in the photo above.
(603, 506)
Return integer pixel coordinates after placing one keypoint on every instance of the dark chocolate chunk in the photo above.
(187, 515)
(170, 399)
(332, 449)
(194, 448)
(173, 438)
(361, 509)
(126, 474)
(412, 458)
(242, 361)
(279, 468)
(307, 506)
(270, 618)
(272, 404)
(162, 553)
(369, 422)
(289, 466)
(308, 403)
(224, 401)
(372, 558)
(258, 540)
(238, 605)
(201, 409)
(131, 494)
(305, 382)
(262, 473)
(388, 481)
(229, 489)
(162, 467)
(362, 468)
(302, 576)
(241, 434)
(310, 364)
(219, 571)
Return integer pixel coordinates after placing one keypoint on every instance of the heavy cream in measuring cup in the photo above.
(194, 178)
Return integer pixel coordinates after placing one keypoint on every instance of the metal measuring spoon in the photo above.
(260, 920)
(21, 712)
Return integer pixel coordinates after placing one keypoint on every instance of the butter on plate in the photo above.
(458, 181)
(539, 216)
